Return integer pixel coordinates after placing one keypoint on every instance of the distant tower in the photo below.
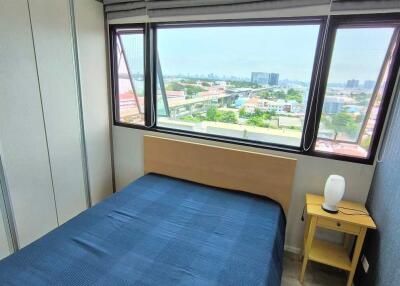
(273, 79)
(265, 78)
(352, 83)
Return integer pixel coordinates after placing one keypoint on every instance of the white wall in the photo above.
(89, 18)
(311, 174)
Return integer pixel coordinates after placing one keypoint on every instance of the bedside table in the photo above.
(352, 219)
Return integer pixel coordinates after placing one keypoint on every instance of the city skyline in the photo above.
(358, 53)
(195, 56)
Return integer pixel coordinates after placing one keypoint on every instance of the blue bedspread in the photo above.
(159, 231)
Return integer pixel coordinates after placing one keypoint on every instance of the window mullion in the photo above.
(148, 81)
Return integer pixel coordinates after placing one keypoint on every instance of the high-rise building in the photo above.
(265, 78)
(273, 79)
(352, 83)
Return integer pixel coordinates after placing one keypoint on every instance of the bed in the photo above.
(161, 230)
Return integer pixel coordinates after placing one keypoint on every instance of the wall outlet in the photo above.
(365, 263)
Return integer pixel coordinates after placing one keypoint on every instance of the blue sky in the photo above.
(287, 50)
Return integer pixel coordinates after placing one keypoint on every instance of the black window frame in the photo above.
(319, 77)
(113, 35)
(335, 23)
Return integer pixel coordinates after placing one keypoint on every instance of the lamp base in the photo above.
(329, 209)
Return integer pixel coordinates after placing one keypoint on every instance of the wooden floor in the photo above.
(316, 274)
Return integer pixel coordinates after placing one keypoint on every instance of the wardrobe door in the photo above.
(6, 247)
(22, 132)
(52, 34)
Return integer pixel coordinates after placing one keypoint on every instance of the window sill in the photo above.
(248, 143)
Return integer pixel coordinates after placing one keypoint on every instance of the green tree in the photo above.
(265, 94)
(212, 114)
(190, 81)
(258, 112)
(193, 89)
(242, 112)
(341, 122)
(279, 94)
(243, 84)
(362, 98)
(293, 94)
(174, 86)
(227, 117)
(256, 121)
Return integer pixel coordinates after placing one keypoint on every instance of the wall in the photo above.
(382, 246)
(311, 175)
(91, 46)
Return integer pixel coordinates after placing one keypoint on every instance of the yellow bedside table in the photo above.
(352, 219)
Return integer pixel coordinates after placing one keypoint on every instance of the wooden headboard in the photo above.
(266, 175)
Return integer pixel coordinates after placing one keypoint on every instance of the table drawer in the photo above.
(338, 225)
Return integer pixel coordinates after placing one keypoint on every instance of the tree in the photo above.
(192, 90)
(362, 98)
(258, 112)
(256, 121)
(279, 94)
(243, 84)
(242, 112)
(227, 117)
(295, 95)
(212, 113)
(341, 122)
(265, 94)
(174, 86)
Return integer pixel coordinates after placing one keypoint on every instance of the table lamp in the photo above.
(333, 193)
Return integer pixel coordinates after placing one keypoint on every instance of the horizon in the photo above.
(187, 52)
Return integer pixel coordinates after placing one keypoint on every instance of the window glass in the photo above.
(357, 79)
(130, 61)
(247, 82)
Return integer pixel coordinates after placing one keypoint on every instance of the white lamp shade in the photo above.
(333, 192)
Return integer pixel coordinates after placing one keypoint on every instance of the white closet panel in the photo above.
(22, 133)
(51, 24)
(5, 236)
(4, 243)
(89, 17)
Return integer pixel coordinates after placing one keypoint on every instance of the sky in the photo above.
(287, 50)
(359, 54)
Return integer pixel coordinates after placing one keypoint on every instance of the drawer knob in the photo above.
(338, 224)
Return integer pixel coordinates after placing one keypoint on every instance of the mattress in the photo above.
(159, 231)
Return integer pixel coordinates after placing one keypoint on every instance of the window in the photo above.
(354, 97)
(312, 86)
(249, 82)
(129, 67)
